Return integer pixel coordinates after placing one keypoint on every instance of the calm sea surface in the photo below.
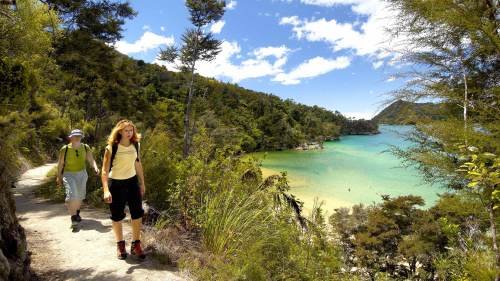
(349, 171)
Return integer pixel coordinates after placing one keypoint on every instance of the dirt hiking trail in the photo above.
(89, 254)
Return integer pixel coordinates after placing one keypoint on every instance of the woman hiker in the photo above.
(72, 173)
(122, 167)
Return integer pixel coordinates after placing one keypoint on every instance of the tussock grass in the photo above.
(232, 219)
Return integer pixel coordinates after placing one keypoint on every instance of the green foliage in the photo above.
(404, 112)
(14, 84)
(27, 35)
(101, 20)
(482, 169)
(205, 12)
(458, 266)
(354, 127)
(233, 219)
(458, 41)
(249, 227)
(160, 168)
(409, 243)
(23, 57)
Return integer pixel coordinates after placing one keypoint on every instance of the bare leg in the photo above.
(118, 230)
(136, 229)
(73, 206)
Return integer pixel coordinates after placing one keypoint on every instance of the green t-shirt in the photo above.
(75, 158)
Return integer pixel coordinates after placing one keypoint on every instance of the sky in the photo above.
(336, 54)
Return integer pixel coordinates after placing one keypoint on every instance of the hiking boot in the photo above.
(74, 221)
(78, 218)
(121, 253)
(136, 249)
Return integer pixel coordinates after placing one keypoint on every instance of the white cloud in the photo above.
(265, 61)
(377, 64)
(277, 52)
(217, 26)
(368, 38)
(146, 27)
(231, 5)
(311, 68)
(326, 3)
(148, 41)
(366, 7)
(162, 28)
(293, 20)
(390, 79)
(262, 62)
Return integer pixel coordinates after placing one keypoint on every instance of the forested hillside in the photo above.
(153, 95)
(404, 112)
(91, 85)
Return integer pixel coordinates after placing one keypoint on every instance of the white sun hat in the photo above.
(76, 133)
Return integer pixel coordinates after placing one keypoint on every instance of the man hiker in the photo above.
(72, 173)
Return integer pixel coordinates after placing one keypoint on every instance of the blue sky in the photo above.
(331, 53)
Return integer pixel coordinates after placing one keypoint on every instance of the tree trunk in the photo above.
(189, 97)
(494, 238)
(14, 255)
(465, 107)
(187, 114)
(413, 266)
(465, 101)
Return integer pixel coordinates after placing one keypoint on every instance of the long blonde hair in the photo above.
(116, 135)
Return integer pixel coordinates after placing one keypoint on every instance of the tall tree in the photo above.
(87, 62)
(198, 45)
(457, 46)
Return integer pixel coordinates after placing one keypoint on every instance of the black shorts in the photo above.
(123, 192)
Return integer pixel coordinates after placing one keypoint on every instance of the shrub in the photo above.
(233, 220)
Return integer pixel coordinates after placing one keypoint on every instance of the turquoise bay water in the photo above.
(349, 171)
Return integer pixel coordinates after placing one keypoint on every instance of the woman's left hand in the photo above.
(96, 170)
(143, 189)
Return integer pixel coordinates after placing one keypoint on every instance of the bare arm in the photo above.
(104, 174)
(60, 165)
(140, 174)
(91, 160)
(139, 171)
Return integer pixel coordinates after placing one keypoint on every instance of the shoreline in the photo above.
(334, 192)
(296, 185)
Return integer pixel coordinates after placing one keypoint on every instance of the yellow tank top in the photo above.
(124, 162)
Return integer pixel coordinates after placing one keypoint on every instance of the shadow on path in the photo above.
(59, 254)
